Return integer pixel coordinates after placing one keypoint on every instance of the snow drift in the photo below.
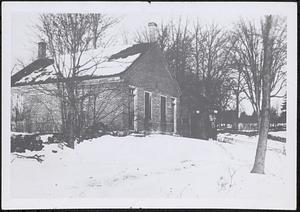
(155, 166)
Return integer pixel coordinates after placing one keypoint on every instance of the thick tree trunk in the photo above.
(258, 119)
(259, 163)
(237, 101)
(71, 133)
(60, 88)
(71, 125)
(236, 118)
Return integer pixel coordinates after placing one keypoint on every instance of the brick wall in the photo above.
(43, 113)
(40, 111)
(155, 122)
(151, 74)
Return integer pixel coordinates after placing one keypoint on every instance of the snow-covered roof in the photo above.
(99, 62)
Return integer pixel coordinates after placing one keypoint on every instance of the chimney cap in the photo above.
(152, 24)
(42, 43)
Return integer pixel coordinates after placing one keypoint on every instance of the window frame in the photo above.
(150, 104)
(174, 102)
(166, 99)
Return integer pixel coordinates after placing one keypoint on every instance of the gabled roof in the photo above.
(96, 63)
(37, 65)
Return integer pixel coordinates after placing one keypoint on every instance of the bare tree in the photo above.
(69, 36)
(268, 40)
(199, 51)
(249, 56)
(238, 84)
(179, 51)
(212, 63)
(237, 90)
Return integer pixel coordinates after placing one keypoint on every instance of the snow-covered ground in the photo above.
(155, 166)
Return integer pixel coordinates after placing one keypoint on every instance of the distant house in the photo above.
(133, 90)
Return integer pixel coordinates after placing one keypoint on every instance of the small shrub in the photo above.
(95, 131)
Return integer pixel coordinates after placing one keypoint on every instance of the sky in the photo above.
(135, 16)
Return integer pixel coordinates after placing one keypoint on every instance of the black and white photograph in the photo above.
(149, 105)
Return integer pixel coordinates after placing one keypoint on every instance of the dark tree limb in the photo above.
(36, 157)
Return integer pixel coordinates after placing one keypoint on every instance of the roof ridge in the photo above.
(132, 50)
(30, 68)
(110, 66)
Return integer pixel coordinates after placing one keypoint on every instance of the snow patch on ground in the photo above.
(155, 166)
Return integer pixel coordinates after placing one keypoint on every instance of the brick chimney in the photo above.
(152, 31)
(41, 50)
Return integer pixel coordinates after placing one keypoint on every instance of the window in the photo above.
(173, 112)
(163, 109)
(147, 106)
(131, 109)
(163, 113)
(131, 91)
